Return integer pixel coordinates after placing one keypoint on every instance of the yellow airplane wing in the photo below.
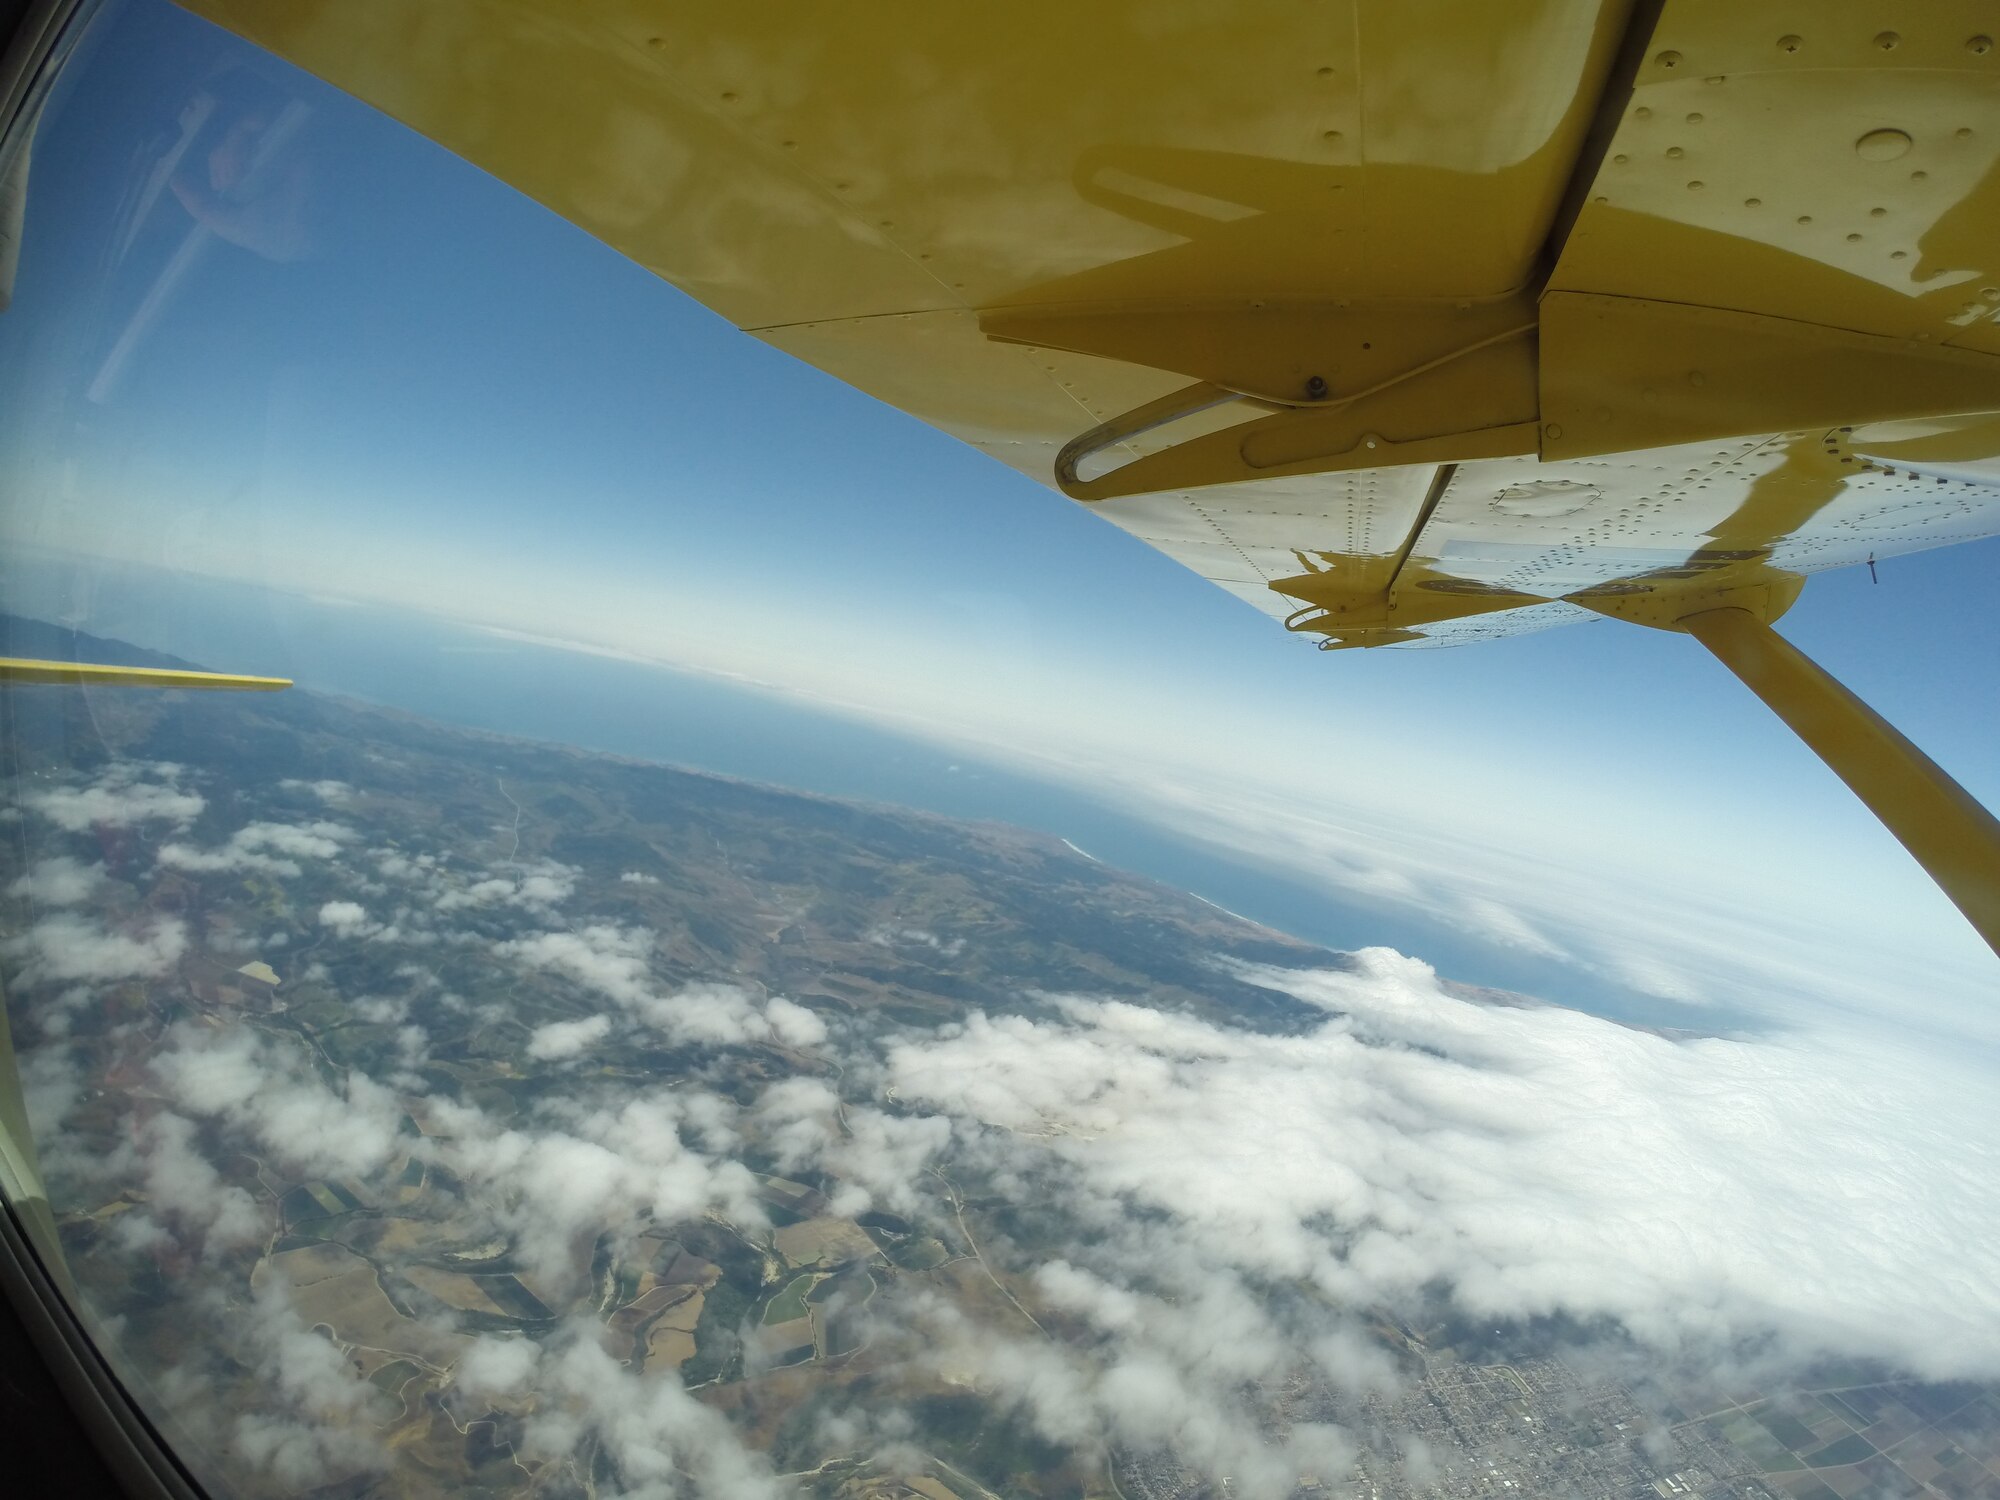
(1408, 323)
(15, 669)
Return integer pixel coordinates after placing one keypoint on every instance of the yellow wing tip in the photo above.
(15, 669)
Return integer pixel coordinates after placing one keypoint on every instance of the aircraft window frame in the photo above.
(78, 1332)
(41, 36)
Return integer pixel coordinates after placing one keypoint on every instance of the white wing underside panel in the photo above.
(1806, 501)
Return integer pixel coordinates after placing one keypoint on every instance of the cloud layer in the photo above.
(1144, 1221)
(1532, 1161)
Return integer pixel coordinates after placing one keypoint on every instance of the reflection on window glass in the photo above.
(640, 1018)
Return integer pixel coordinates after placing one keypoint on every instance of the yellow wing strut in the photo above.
(76, 673)
(1955, 839)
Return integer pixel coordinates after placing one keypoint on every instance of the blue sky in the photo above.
(456, 401)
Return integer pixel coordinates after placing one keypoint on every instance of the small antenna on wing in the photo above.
(1871, 569)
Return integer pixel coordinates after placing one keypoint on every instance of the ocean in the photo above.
(463, 675)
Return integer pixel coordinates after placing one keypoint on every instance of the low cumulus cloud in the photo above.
(344, 918)
(58, 881)
(1227, 1206)
(269, 1091)
(1532, 1161)
(553, 1182)
(258, 1401)
(561, 1039)
(269, 848)
(664, 1441)
(538, 888)
(334, 792)
(315, 1418)
(441, 884)
(124, 793)
(184, 1190)
(558, 1182)
(916, 937)
(1143, 1373)
(877, 1158)
(616, 962)
(607, 959)
(396, 865)
(1170, 1212)
(1198, 1211)
(74, 946)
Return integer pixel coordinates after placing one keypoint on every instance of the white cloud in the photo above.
(344, 918)
(892, 937)
(793, 1024)
(313, 1417)
(560, 1039)
(665, 1442)
(615, 962)
(381, 1010)
(120, 796)
(610, 960)
(1532, 1160)
(58, 881)
(539, 888)
(70, 946)
(327, 791)
(272, 848)
(1162, 1377)
(557, 1187)
(51, 1086)
(496, 1366)
(1508, 927)
(271, 1092)
(639, 877)
(552, 1184)
(1826, 1188)
(878, 1158)
(546, 888)
(1675, 927)
(396, 865)
(717, 1014)
(183, 1186)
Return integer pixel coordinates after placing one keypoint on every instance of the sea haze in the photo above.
(476, 678)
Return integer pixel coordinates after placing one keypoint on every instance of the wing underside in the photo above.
(1409, 324)
(1465, 310)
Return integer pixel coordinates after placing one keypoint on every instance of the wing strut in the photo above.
(1955, 839)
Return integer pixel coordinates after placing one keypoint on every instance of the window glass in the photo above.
(767, 955)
